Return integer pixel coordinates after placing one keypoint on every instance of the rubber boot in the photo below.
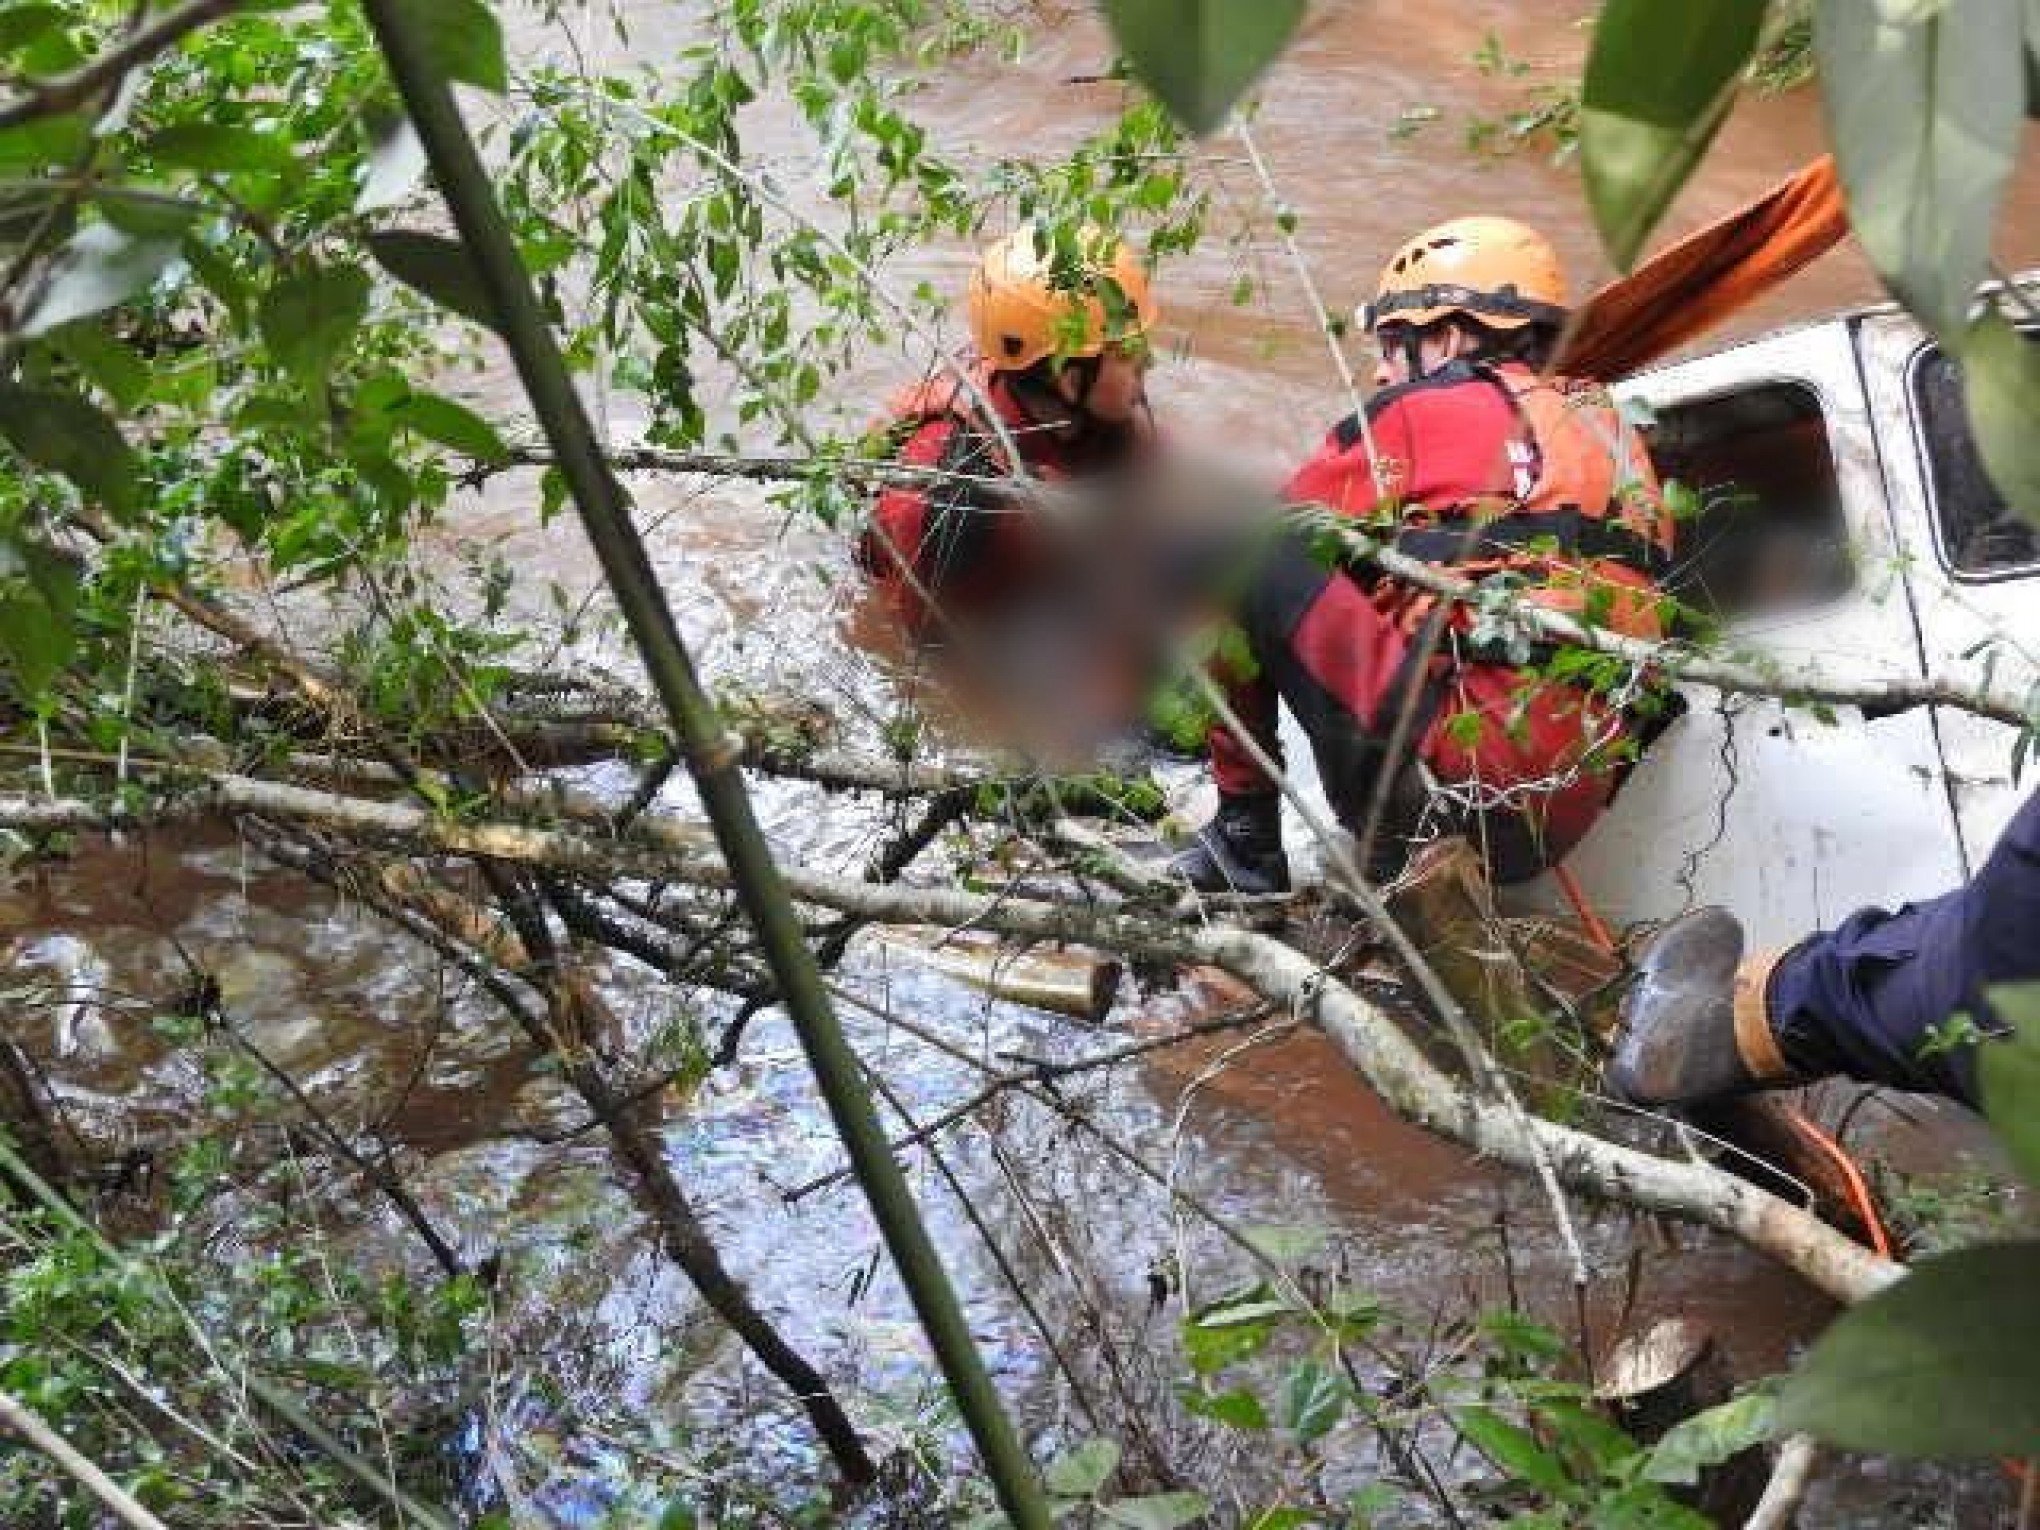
(1694, 1026)
(1239, 851)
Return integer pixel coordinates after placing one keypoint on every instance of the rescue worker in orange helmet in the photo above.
(1061, 333)
(1470, 455)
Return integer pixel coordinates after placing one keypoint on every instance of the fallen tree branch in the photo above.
(1792, 683)
(558, 1033)
(1795, 683)
(660, 848)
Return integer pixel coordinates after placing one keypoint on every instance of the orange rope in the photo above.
(1860, 1199)
(1589, 920)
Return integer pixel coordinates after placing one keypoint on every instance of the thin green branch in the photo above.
(713, 756)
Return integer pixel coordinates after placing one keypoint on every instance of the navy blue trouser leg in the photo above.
(1863, 998)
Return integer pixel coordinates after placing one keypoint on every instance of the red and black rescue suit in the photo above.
(947, 551)
(1489, 468)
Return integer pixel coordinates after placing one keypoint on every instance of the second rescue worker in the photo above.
(1061, 359)
(1479, 459)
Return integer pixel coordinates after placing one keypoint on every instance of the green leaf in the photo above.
(1253, 1309)
(1945, 1363)
(1710, 1438)
(42, 142)
(98, 268)
(37, 640)
(1659, 81)
(1199, 56)
(1079, 1472)
(2001, 390)
(1586, 1433)
(2011, 1077)
(1373, 1499)
(221, 149)
(110, 363)
(1211, 1350)
(452, 425)
(464, 39)
(1289, 1245)
(1281, 1517)
(23, 24)
(1924, 106)
(1638, 1506)
(1313, 1398)
(66, 433)
(396, 163)
(38, 605)
(437, 267)
(308, 316)
(1513, 1449)
(1236, 1409)
(1162, 1511)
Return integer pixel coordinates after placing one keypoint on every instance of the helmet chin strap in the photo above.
(1038, 387)
(1413, 355)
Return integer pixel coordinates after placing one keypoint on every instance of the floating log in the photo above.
(1079, 984)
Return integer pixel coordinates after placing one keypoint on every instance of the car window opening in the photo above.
(1979, 533)
(1762, 530)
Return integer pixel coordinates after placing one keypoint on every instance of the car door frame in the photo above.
(1958, 611)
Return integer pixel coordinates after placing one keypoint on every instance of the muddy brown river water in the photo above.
(1271, 1133)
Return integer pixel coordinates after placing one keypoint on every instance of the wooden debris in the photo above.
(1079, 984)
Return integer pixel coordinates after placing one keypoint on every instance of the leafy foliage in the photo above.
(1658, 84)
(1925, 106)
(1946, 1363)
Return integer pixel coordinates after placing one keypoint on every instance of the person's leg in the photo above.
(1349, 671)
(1531, 762)
(1319, 644)
(1240, 848)
(1869, 998)
(1865, 999)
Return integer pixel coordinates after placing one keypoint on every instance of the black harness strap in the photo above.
(1569, 532)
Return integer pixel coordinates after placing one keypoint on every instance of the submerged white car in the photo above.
(1848, 525)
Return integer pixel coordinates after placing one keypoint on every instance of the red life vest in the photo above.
(1496, 467)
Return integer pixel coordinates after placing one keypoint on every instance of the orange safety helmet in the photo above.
(1020, 315)
(1493, 271)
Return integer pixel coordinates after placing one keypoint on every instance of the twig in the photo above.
(1353, 882)
(1790, 1477)
(49, 97)
(18, 1417)
(1317, 305)
(1033, 1075)
(669, 849)
(1789, 682)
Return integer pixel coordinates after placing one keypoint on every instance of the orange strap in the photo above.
(1860, 1200)
(1707, 276)
(1577, 897)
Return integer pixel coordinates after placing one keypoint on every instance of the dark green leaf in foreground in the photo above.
(1945, 1363)
(1199, 56)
